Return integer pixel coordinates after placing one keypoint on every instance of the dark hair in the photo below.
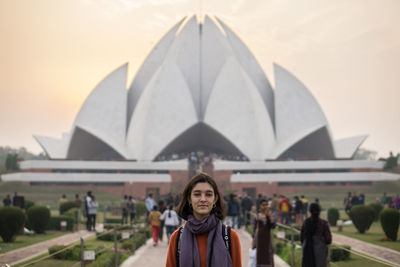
(314, 209)
(184, 209)
(263, 200)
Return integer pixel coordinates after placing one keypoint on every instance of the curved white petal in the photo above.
(164, 111)
(347, 147)
(237, 111)
(297, 112)
(54, 148)
(103, 114)
(149, 67)
(252, 68)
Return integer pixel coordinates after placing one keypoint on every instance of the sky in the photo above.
(53, 53)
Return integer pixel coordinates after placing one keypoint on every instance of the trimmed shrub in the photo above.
(11, 222)
(362, 217)
(28, 204)
(73, 213)
(127, 244)
(333, 216)
(390, 219)
(38, 218)
(279, 247)
(377, 207)
(55, 223)
(140, 240)
(339, 254)
(72, 254)
(68, 205)
(107, 259)
(108, 236)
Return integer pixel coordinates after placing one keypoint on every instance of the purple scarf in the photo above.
(217, 254)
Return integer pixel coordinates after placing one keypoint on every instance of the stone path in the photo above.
(26, 253)
(148, 255)
(379, 252)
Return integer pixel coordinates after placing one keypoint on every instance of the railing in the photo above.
(83, 259)
(294, 243)
(292, 230)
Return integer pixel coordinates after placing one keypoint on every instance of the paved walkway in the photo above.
(382, 253)
(26, 253)
(148, 255)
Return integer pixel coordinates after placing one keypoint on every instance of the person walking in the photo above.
(201, 242)
(315, 237)
(150, 203)
(246, 205)
(233, 212)
(132, 209)
(93, 206)
(154, 220)
(161, 209)
(298, 209)
(171, 221)
(86, 202)
(125, 209)
(7, 201)
(262, 235)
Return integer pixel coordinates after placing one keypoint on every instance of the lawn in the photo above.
(333, 196)
(27, 240)
(374, 235)
(355, 261)
(49, 196)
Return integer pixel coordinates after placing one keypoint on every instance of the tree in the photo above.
(12, 162)
(391, 162)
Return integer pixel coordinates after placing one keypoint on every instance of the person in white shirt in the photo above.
(150, 203)
(171, 221)
(92, 212)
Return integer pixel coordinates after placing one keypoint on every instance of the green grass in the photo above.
(355, 261)
(333, 196)
(27, 240)
(49, 196)
(374, 235)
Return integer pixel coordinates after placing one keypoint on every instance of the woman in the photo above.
(171, 221)
(93, 206)
(262, 236)
(154, 220)
(315, 237)
(200, 242)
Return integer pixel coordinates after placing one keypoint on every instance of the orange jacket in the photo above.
(202, 245)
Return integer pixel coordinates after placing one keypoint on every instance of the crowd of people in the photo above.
(201, 225)
(207, 213)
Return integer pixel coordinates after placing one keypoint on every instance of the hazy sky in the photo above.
(53, 53)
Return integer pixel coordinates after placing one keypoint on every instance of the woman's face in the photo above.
(202, 198)
(264, 207)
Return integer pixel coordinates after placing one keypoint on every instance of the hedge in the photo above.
(11, 222)
(72, 254)
(55, 223)
(333, 216)
(67, 206)
(390, 219)
(362, 217)
(339, 254)
(38, 218)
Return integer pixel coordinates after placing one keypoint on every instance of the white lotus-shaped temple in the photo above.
(200, 89)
